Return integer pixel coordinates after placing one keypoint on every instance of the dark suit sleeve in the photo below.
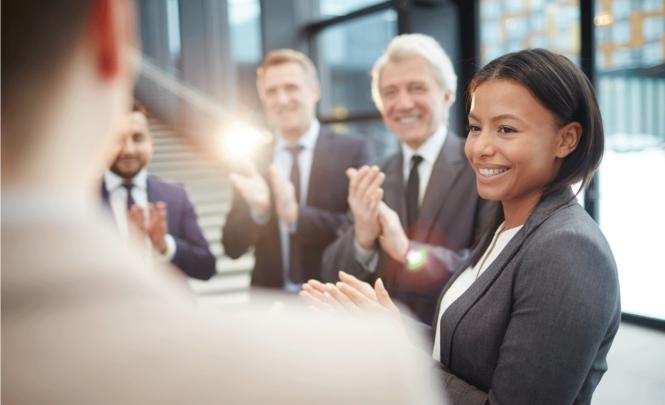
(321, 225)
(240, 231)
(566, 298)
(192, 254)
(341, 255)
(461, 392)
(442, 262)
(363, 155)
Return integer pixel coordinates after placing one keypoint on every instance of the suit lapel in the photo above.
(157, 190)
(447, 168)
(463, 304)
(447, 286)
(151, 190)
(322, 152)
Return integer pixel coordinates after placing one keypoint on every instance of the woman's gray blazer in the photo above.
(536, 327)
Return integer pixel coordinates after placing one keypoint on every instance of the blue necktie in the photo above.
(130, 199)
(296, 273)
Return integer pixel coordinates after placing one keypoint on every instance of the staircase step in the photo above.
(243, 263)
(159, 147)
(216, 210)
(212, 196)
(171, 156)
(175, 159)
(186, 172)
(221, 284)
(212, 234)
(209, 221)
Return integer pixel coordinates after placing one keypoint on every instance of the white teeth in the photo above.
(491, 172)
(408, 120)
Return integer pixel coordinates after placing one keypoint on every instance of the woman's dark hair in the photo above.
(567, 93)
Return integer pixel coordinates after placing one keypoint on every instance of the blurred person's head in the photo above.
(413, 86)
(68, 67)
(289, 90)
(134, 148)
(534, 127)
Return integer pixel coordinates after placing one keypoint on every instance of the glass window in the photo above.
(653, 52)
(246, 49)
(621, 31)
(382, 142)
(331, 8)
(653, 5)
(244, 19)
(653, 29)
(620, 8)
(632, 98)
(346, 53)
(508, 26)
(173, 27)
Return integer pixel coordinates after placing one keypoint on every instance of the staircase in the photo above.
(175, 159)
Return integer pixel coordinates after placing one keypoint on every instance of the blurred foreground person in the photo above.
(161, 211)
(416, 217)
(531, 317)
(291, 199)
(80, 325)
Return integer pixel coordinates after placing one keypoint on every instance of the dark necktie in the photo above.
(130, 199)
(412, 193)
(296, 273)
(294, 150)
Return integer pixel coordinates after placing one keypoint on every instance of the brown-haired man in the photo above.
(162, 211)
(291, 212)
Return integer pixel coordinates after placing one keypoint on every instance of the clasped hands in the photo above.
(373, 219)
(154, 226)
(256, 193)
(349, 295)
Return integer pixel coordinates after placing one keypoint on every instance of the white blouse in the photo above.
(469, 276)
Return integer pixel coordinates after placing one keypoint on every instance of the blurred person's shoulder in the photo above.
(85, 322)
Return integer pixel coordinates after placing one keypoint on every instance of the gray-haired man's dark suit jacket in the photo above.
(536, 327)
(451, 217)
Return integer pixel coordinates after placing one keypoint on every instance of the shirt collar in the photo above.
(429, 150)
(307, 140)
(113, 181)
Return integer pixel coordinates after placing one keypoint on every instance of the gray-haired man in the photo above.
(415, 217)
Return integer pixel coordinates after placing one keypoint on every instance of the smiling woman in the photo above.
(537, 104)
(532, 316)
(515, 145)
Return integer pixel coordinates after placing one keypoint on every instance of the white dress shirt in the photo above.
(429, 151)
(282, 159)
(468, 277)
(118, 203)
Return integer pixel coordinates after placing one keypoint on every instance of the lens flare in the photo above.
(416, 259)
(240, 141)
